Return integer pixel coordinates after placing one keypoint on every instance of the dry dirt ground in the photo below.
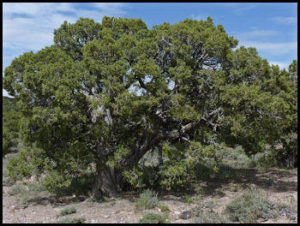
(279, 186)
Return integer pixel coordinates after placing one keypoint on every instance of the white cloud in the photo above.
(31, 25)
(282, 65)
(272, 48)
(285, 20)
(257, 33)
(199, 17)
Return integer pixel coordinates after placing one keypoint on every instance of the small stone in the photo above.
(176, 212)
(185, 215)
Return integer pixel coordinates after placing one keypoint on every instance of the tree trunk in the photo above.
(160, 157)
(108, 182)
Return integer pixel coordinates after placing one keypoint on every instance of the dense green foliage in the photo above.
(107, 94)
(10, 119)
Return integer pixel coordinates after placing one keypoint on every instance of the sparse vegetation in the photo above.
(35, 187)
(209, 217)
(152, 218)
(220, 192)
(188, 199)
(249, 207)
(146, 200)
(77, 220)
(209, 204)
(164, 208)
(68, 211)
(17, 189)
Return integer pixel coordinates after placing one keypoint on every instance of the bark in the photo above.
(108, 182)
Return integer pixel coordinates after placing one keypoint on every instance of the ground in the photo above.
(277, 185)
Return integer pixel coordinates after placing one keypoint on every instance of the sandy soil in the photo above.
(45, 209)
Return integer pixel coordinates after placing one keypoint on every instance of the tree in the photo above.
(109, 93)
(10, 119)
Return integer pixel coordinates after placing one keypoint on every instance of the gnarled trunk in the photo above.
(108, 182)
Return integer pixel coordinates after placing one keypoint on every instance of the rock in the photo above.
(45, 202)
(185, 215)
(176, 212)
(171, 197)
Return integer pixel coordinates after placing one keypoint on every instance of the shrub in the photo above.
(146, 200)
(152, 218)
(164, 208)
(17, 169)
(56, 183)
(22, 192)
(68, 211)
(209, 217)
(77, 220)
(175, 174)
(188, 199)
(17, 189)
(36, 187)
(249, 207)
(220, 192)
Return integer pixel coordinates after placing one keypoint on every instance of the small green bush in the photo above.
(18, 167)
(152, 218)
(220, 192)
(249, 207)
(17, 189)
(56, 183)
(68, 211)
(209, 217)
(202, 191)
(36, 187)
(77, 220)
(164, 208)
(188, 199)
(146, 200)
(22, 192)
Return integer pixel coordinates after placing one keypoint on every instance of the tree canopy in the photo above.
(107, 94)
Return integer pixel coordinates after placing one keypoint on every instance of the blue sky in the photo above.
(270, 27)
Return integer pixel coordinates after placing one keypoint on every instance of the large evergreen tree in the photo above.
(109, 93)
